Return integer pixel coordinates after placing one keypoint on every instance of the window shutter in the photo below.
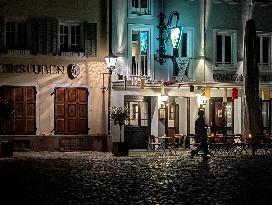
(38, 33)
(52, 36)
(2, 33)
(90, 39)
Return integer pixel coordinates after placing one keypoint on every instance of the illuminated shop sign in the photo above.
(232, 77)
(32, 69)
(227, 77)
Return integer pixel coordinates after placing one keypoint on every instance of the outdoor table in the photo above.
(220, 144)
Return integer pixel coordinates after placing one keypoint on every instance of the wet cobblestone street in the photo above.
(100, 178)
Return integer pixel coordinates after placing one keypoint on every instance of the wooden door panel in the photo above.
(19, 109)
(30, 110)
(19, 126)
(71, 95)
(82, 110)
(72, 126)
(30, 125)
(59, 126)
(60, 111)
(71, 110)
(59, 98)
(19, 94)
(30, 94)
(82, 95)
(83, 126)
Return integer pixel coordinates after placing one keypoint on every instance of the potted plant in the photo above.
(7, 112)
(120, 116)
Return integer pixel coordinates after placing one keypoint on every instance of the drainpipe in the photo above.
(204, 38)
(110, 70)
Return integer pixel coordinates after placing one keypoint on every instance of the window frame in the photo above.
(16, 32)
(139, 116)
(81, 41)
(233, 35)
(139, 14)
(150, 63)
(261, 64)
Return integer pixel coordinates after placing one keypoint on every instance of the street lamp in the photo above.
(111, 60)
(166, 32)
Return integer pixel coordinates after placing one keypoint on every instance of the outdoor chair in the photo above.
(154, 144)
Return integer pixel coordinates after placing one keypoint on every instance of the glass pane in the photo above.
(73, 30)
(22, 36)
(265, 49)
(144, 4)
(184, 45)
(219, 48)
(265, 114)
(144, 51)
(228, 49)
(144, 42)
(144, 113)
(228, 114)
(135, 3)
(134, 111)
(66, 30)
(135, 52)
(143, 65)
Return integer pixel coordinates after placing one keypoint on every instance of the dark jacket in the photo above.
(201, 129)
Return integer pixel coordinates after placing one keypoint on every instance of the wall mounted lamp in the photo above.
(166, 32)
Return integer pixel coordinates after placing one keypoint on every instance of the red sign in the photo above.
(234, 93)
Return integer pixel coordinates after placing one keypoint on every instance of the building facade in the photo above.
(164, 86)
(52, 68)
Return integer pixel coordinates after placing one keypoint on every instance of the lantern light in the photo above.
(175, 34)
(265, 94)
(111, 60)
(207, 92)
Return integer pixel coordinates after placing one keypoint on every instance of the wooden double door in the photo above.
(24, 100)
(71, 111)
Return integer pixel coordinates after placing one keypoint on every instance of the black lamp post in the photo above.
(111, 60)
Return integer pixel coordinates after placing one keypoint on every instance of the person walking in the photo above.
(201, 136)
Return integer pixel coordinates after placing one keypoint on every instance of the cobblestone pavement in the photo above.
(140, 178)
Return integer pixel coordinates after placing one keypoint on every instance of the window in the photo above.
(225, 48)
(139, 51)
(138, 113)
(70, 38)
(139, 7)
(263, 52)
(16, 35)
